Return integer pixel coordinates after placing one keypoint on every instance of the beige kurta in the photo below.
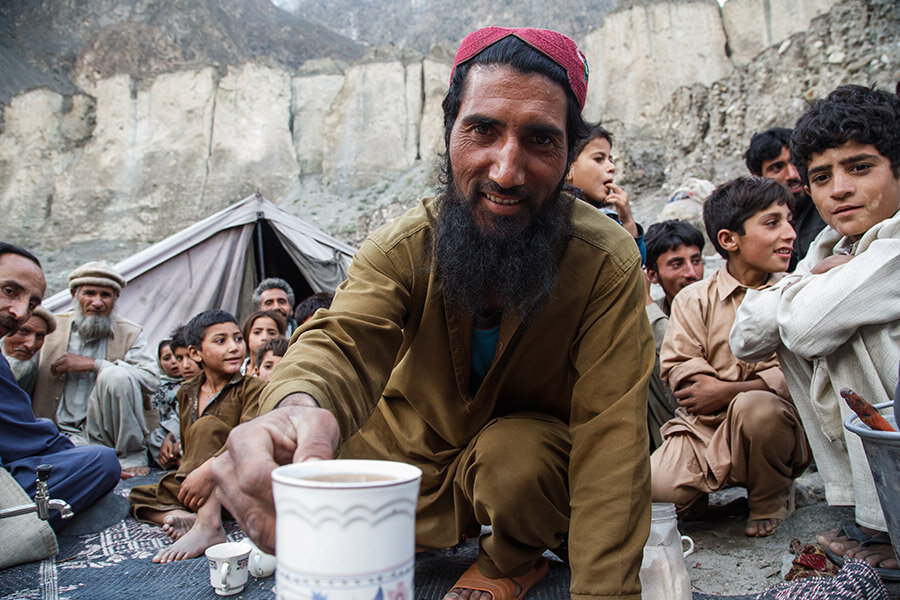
(756, 441)
(394, 366)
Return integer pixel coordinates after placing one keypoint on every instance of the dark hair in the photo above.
(513, 52)
(162, 345)
(280, 323)
(6, 248)
(766, 145)
(196, 328)
(593, 131)
(669, 235)
(178, 339)
(734, 202)
(850, 112)
(310, 305)
(277, 346)
(271, 283)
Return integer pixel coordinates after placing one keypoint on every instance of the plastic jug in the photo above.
(663, 573)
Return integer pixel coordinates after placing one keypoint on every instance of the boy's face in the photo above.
(853, 187)
(262, 330)
(767, 241)
(189, 368)
(168, 362)
(268, 363)
(593, 170)
(676, 269)
(221, 351)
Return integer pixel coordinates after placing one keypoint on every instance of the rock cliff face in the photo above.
(139, 125)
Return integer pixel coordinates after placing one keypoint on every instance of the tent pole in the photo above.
(259, 245)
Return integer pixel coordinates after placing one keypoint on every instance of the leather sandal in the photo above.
(850, 530)
(503, 588)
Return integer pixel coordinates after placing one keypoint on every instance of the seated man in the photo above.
(494, 336)
(835, 322)
(80, 475)
(735, 424)
(21, 347)
(674, 261)
(96, 372)
(768, 156)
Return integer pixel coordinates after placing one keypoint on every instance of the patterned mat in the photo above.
(111, 561)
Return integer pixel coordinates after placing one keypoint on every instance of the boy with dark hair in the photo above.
(210, 406)
(735, 424)
(269, 355)
(308, 307)
(674, 261)
(836, 324)
(769, 156)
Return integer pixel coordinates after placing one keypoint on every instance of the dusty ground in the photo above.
(725, 562)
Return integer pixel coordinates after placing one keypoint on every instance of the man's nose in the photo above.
(507, 169)
(19, 310)
(793, 174)
(842, 186)
(692, 271)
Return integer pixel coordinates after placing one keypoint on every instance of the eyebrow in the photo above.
(543, 128)
(849, 160)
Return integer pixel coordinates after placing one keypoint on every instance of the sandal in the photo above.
(503, 588)
(851, 531)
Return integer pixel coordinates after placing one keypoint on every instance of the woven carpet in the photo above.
(105, 554)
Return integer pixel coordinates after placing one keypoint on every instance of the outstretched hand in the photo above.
(296, 431)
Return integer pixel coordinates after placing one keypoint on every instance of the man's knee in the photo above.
(519, 456)
(761, 414)
(116, 385)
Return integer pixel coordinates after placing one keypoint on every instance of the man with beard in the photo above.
(96, 372)
(769, 156)
(21, 347)
(495, 337)
(80, 475)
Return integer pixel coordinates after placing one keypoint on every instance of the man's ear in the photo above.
(652, 275)
(728, 239)
(194, 353)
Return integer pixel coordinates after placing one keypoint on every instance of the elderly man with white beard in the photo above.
(96, 372)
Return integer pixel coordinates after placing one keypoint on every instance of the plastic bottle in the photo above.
(664, 575)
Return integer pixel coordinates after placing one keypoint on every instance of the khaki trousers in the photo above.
(758, 443)
(513, 476)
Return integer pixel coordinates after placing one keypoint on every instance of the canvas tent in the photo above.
(217, 262)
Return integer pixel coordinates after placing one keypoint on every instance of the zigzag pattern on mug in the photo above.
(318, 516)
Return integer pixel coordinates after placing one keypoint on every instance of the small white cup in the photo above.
(261, 564)
(228, 567)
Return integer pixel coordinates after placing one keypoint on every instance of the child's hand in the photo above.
(197, 487)
(618, 198)
(170, 452)
(705, 395)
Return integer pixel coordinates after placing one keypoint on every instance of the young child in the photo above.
(308, 307)
(835, 321)
(590, 178)
(210, 406)
(270, 354)
(735, 424)
(180, 348)
(165, 403)
(260, 327)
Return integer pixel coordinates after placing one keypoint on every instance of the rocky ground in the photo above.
(727, 563)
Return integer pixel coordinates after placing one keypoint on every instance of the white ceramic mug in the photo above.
(228, 567)
(345, 529)
(261, 563)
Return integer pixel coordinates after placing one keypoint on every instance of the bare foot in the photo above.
(877, 555)
(466, 594)
(762, 527)
(134, 472)
(178, 523)
(191, 544)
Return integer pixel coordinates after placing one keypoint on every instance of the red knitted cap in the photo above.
(554, 45)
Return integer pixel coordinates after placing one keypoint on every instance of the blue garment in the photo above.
(484, 347)
(80, 476)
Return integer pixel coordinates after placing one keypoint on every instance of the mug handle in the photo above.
(224, 570)
(255, 557)
(690, 542)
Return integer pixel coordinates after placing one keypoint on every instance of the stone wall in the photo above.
(127, 161)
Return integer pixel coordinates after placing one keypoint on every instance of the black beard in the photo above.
(93, 328)
(512, 266)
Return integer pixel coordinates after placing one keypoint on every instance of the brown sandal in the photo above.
(503, 588)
